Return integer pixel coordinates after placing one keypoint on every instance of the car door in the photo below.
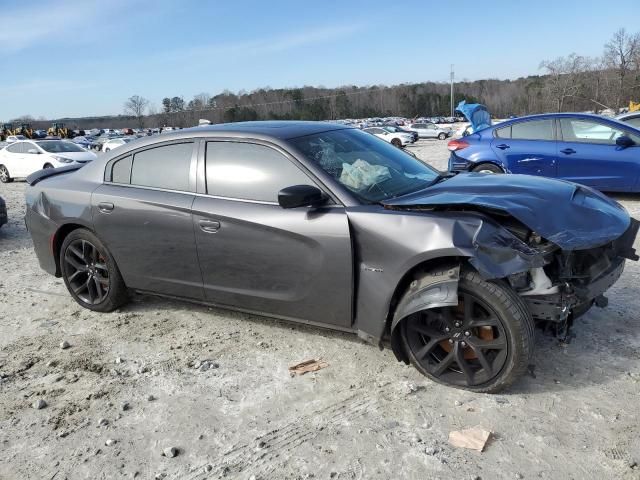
(420, 129)
(32, 159)
(142, 212)
(431, 131)
(256, 256)
(528, 147)
(13, 160)
(588, 154)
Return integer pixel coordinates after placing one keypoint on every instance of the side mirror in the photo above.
(33, 151)
(301, 196)
(623, 141)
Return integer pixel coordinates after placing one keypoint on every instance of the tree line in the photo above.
(567, 83)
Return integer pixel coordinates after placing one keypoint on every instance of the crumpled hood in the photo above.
(572, 216)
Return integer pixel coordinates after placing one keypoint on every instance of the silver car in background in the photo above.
(431, 130)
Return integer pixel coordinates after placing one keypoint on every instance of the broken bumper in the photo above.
(583, 277)
(558, 307)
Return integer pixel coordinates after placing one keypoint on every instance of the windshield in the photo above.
(371, 168)
(58, 146)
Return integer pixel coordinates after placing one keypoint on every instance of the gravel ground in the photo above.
(127, 389)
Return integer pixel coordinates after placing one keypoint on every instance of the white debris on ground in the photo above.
(125, 398)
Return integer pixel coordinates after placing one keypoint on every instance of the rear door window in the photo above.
(249, 171)
(15, 148)
(532, 130)
(121, 170)
(591, 131)
(165, 167)
(504, 132)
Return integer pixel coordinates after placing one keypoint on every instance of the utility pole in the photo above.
(452, 76)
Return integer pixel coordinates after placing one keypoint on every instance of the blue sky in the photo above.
(73, 58)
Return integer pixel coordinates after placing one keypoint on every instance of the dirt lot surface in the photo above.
(127, 388)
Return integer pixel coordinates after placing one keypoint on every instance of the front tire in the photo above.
(5, 177)
(483, 344)
(396, 143)
(90, 273)
(442, 136)
(47, 165)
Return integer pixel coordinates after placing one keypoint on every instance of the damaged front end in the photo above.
(572, 281)
(559, 245)
(557, 284)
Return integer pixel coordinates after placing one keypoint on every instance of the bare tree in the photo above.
(136, 106)
(564, 78)
(199, 102)
(619, 54)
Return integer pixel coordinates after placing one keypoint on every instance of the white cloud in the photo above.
(30, 24)
(275, 44)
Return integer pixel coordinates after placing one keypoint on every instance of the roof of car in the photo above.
(585, 116)
(282, 129)
(628, 115)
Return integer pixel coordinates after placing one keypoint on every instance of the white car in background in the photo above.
(20, 159)
(398, 139)
(431, 130)
(115, 143)
(15, 138)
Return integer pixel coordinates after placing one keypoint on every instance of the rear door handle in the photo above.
(209, 226)
(105, 207)
(503, 146)
(568, 151)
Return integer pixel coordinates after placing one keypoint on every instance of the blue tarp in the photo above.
(477, 114)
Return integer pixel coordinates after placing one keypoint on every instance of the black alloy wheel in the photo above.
(482, 344)
(90, 272)
(86, 271)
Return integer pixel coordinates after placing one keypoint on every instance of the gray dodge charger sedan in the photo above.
(327, 225)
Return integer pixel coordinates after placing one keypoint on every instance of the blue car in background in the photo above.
(588, 149)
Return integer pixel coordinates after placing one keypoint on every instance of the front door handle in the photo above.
(209, 226)
(568, 151)
(105, 207)
(503, 146)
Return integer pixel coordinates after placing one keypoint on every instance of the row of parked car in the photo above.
(398, 121)
(401, 136)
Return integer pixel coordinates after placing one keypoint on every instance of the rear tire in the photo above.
(90, 273)
(487, 168)
(5, 177)
(484, 344)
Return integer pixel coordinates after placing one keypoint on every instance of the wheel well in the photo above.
(401, 288)
(403, 284)
(58, 238)
(487, 162)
